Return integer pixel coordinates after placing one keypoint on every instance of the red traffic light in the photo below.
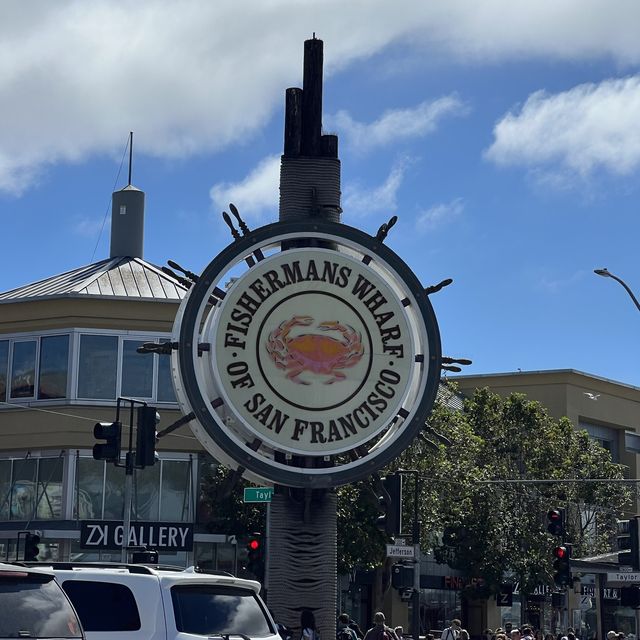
(253, 544)
(561, 553)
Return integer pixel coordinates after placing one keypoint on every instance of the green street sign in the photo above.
(258, 494)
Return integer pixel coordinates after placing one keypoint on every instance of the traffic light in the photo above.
(144, 557)
(562, 555)
(391, 503)
(148, 419)
(255, 556)
(630, 597)
(402, 576)
(111, 433)
(31, 550)
(629, 542)
(555, 520)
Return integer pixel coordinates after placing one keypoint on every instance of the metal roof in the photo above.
(121, 277)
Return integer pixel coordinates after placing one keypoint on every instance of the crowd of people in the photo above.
(348, 629)
(529, 633)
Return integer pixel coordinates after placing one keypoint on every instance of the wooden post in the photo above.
(302, 545)
(312, 98)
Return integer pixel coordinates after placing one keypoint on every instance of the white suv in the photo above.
(137, 602)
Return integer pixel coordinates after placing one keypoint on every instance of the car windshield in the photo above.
(215, 610)
(34, 606)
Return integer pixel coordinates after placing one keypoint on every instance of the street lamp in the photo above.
(607, 274)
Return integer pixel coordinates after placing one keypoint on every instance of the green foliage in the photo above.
(504, 524)
(223, 506)
(495, 527)
(360, 543)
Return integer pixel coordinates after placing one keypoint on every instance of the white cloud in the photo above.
(395, 125)
(361, 201)
(88, 227)
(439, 214)
(253, 195)
(76, 76)
(590, 127)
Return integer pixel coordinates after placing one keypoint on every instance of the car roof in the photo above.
(164, 573)
(4, 566)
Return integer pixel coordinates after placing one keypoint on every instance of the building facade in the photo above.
(68, 351)
(610, 412)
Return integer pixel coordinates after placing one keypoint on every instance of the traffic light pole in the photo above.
(415, 596)
(128, 498)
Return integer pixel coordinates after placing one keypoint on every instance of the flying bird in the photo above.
(591, 396)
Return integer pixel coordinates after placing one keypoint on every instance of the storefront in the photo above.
(76, 504)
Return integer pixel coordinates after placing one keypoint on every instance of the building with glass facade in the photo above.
(68, 351)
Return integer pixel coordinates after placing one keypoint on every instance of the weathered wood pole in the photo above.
(302, 548)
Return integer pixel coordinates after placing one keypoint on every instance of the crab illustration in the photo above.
(313, 352)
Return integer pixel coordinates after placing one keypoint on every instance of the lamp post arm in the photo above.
(627, 289)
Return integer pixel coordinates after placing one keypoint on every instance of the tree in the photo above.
(471, 517)
(222, 505)
(493, 527)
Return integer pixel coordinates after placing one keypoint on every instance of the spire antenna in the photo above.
(130, 154)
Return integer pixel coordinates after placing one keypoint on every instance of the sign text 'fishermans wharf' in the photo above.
(313, 350)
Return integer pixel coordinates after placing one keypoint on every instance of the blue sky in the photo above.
(506, 137)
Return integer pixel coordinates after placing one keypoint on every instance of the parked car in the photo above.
(138, 602)
(32, 605)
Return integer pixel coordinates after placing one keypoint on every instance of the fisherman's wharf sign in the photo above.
(313, 350)
(289, 352)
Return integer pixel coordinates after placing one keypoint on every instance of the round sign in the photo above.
(307, 365)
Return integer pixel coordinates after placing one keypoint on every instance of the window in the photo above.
(165, 381)
(23, 369)
(137, 371)
(214, 610)
(100, 491)
(54, 363)
(96, 603)
(4, 364)
(606, 437)
(113, 493)
(89, 489)
(98, 366)
(33, 606)
(146, 493)
(23, 494)
(176, 491)
(5, 488)
(49, 494)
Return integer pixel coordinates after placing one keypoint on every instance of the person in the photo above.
(527, 633)
(343, 630)
(380, 631)
(488, 634)
(399, 631)
(464, 634)
(452, 632)
(612, 635)
(515, 634)
(356, 627)
(308, 626)
(508, 628)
